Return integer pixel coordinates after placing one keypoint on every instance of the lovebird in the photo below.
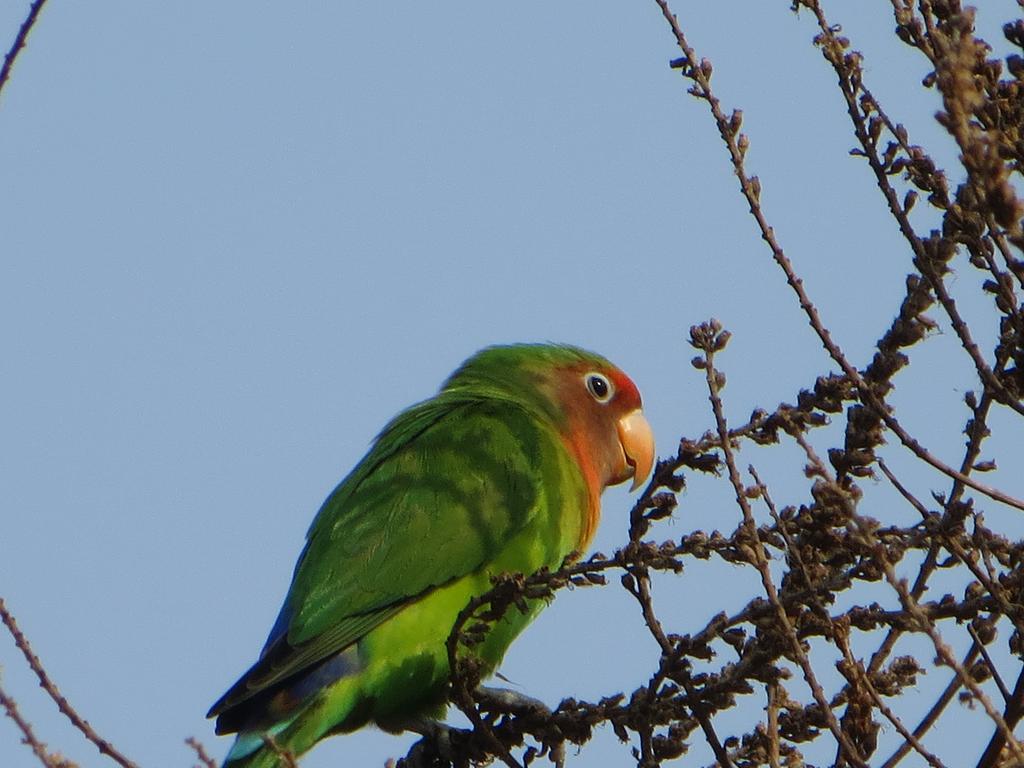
(500, 472)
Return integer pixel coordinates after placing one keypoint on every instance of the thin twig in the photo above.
(28, 736)
(1014, 712)
(864, 684)
(104, 746)
(774, 756)
(992, 668)
(642, 593)
(285, 757)
(850, 85)
(761, 562)
(201, 753)
(933, 714)
(945, 654)
(19, 41)
(750, 186)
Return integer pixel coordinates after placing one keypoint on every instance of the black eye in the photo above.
(599, 387)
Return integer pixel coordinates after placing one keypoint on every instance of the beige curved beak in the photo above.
(637, 441)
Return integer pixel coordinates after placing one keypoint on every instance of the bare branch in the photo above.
(19, 41)
(104, 746)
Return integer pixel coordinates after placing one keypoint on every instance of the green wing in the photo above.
(445, 487)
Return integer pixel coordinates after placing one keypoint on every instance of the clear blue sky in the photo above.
(235, 238)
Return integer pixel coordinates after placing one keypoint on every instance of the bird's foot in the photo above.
(434, 749)
(507, 700)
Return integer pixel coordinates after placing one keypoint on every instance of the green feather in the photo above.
(456, 490)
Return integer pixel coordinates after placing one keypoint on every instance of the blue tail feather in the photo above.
(249, 741)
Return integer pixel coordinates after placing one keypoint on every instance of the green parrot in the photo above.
(500, 472)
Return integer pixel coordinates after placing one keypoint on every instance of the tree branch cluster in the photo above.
(824, 550)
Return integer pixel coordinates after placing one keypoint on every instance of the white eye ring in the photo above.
(599, 387)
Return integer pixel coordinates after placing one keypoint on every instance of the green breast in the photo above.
(407, 664)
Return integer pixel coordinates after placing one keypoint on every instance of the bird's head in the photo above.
(595, 406)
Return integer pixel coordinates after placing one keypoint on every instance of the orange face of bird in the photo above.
(606, 426)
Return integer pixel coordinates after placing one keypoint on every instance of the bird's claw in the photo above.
(434, 749)
(507, 700)
(513, 702)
